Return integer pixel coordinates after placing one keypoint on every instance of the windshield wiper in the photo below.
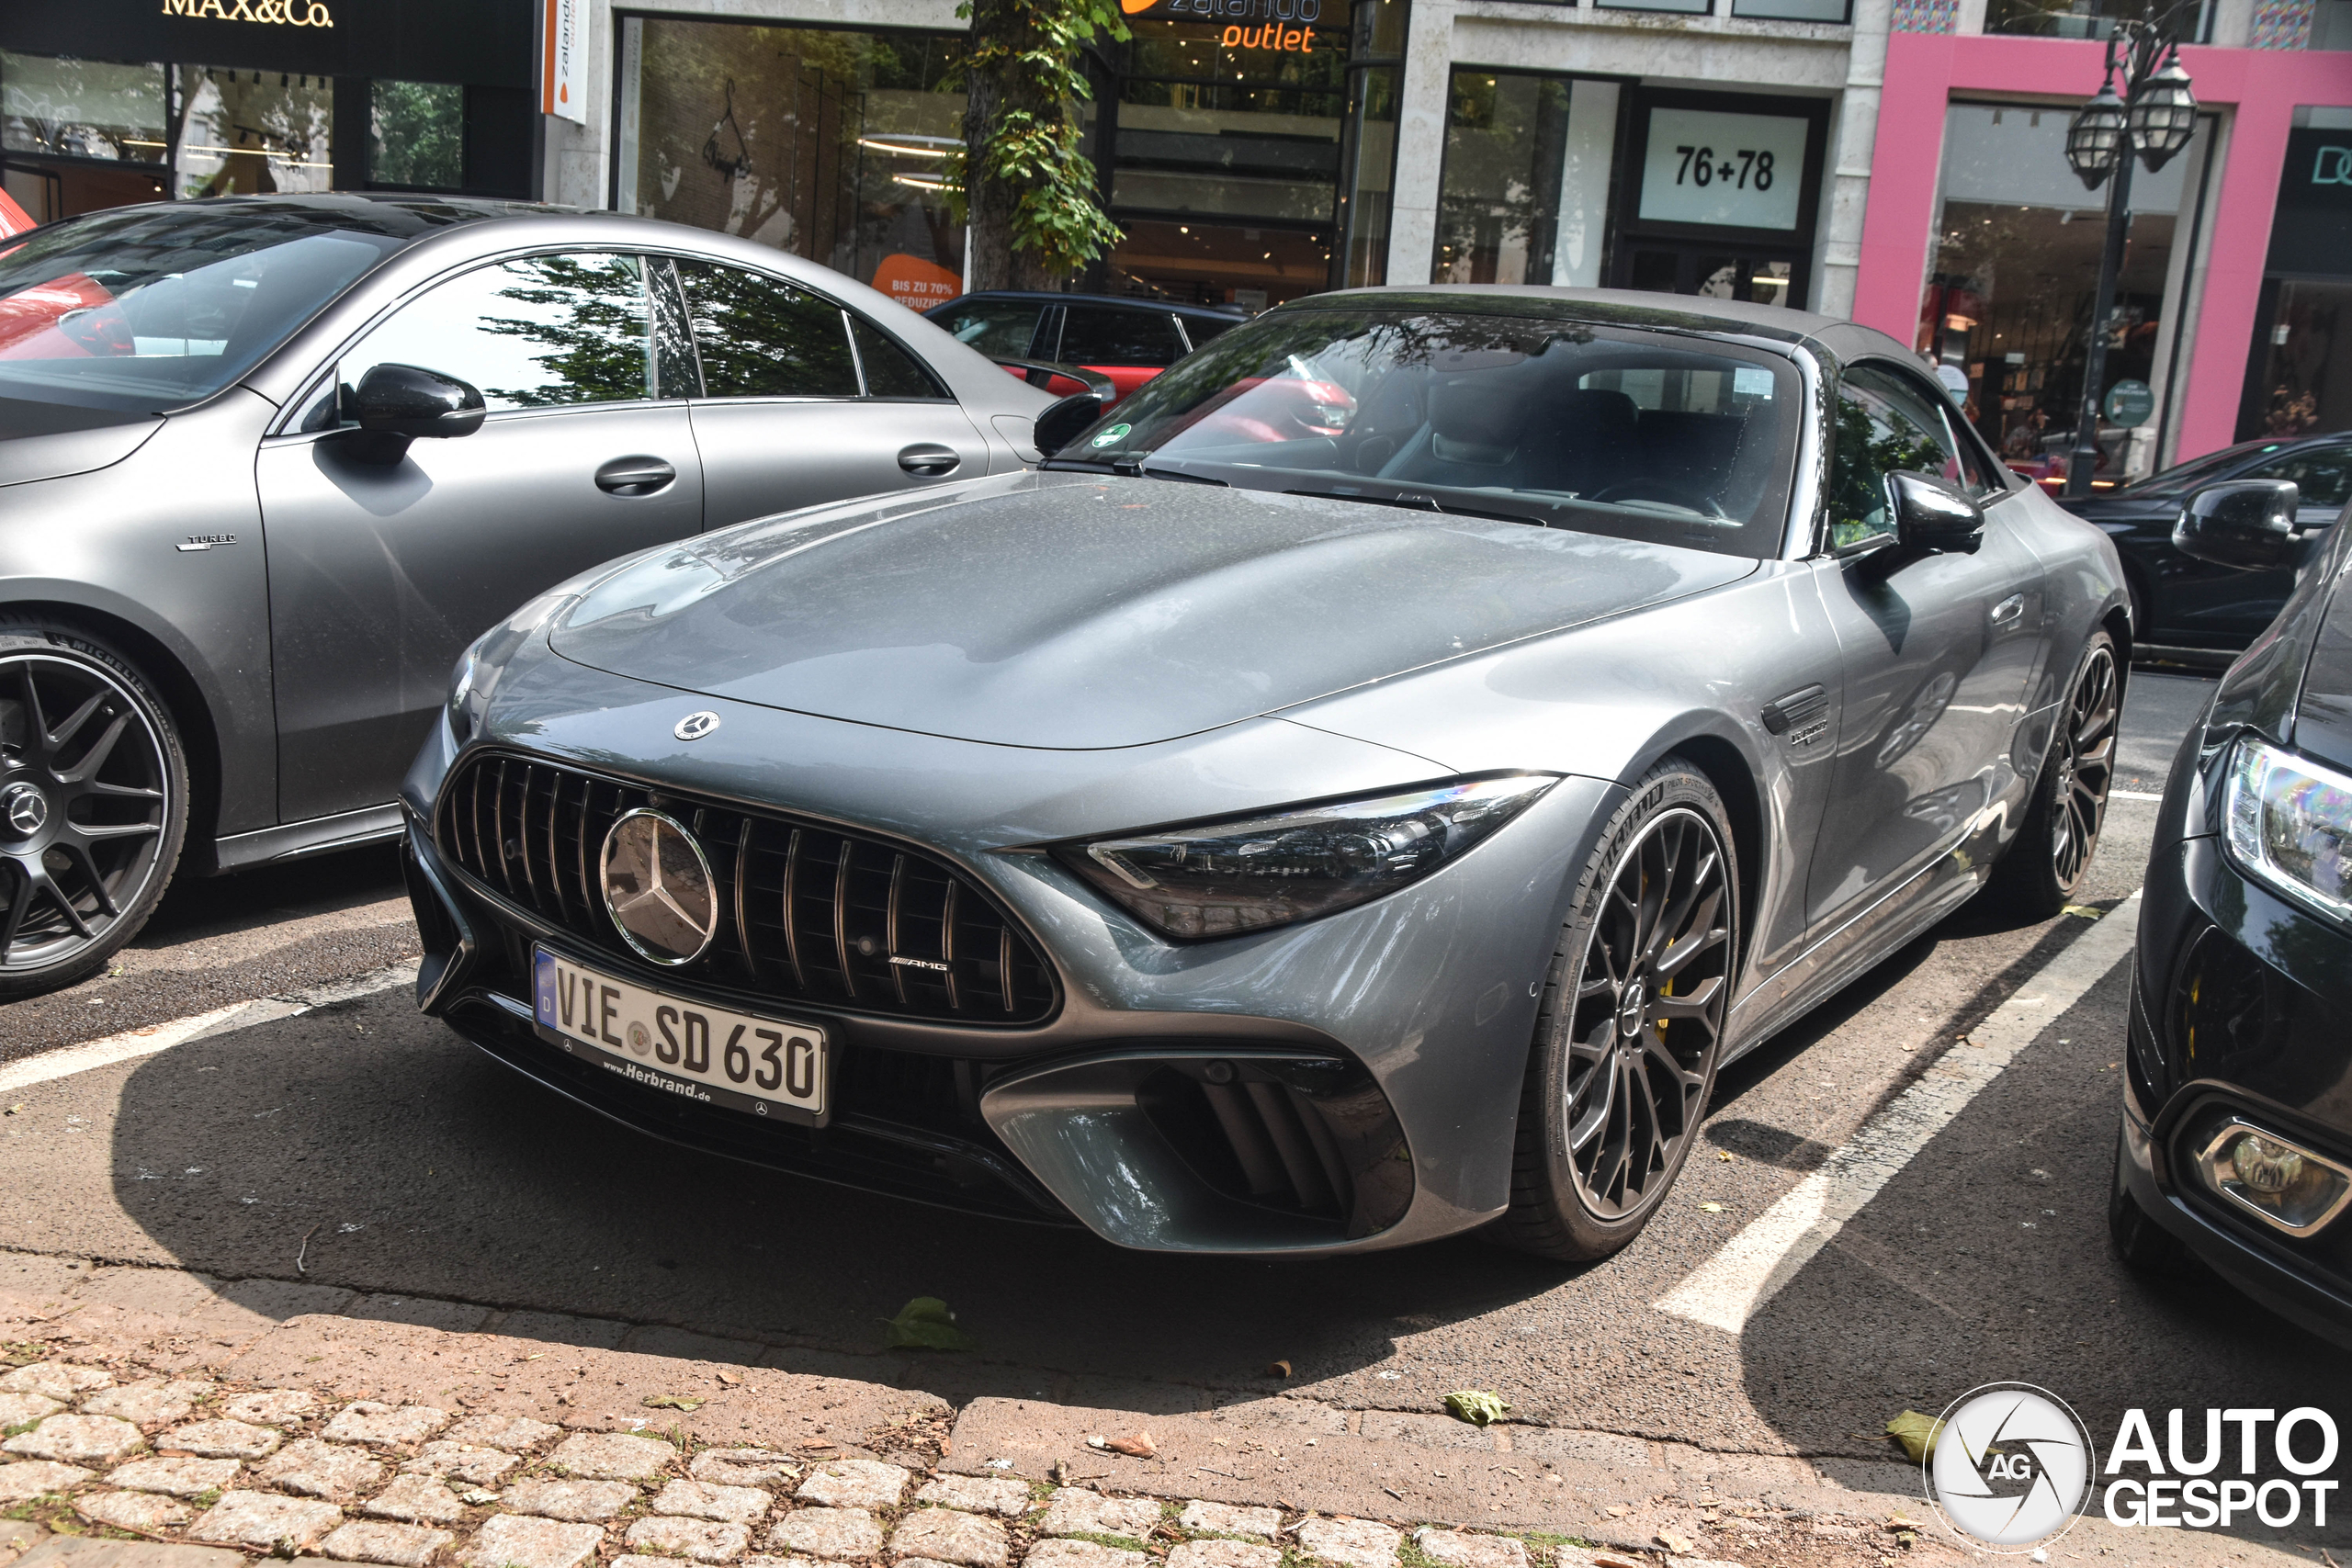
(1418, 500)
(1181, 477)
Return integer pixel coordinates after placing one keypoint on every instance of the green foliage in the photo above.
(1028, 50)
(417, 134)
(1476, 1406)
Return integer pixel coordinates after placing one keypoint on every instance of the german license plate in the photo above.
(763, 1066)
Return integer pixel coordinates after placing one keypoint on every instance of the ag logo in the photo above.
(2011, 1465)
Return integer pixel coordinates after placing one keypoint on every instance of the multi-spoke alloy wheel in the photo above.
(2085, 757)
(1633, 1023)
(2052, 851)
(92, 788)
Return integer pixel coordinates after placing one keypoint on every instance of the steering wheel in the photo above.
(1666, 490)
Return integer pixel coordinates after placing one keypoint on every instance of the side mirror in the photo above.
(1060, 424)
(2245, 524)
(398, 403)
(1929, 518)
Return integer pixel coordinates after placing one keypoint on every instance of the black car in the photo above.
(2237, 1127)
(2179, 601)
(1128, 340)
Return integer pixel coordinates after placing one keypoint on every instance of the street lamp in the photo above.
(2154, 117)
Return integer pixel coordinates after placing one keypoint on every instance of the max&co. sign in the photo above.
(285, 13)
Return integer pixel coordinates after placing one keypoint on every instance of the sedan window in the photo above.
(1109, 334)
(2322, 473)
(536, 331)
(890, 371)
(763, 338)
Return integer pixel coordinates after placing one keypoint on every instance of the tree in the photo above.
(1028, 192)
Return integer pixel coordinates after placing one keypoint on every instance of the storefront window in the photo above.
(253, 132)
(821, 141)
(1498, 203)
(416, 134)
(1227, 157)
(81, 108)
(2190, 20)
(2016, 276)
(2299, 376)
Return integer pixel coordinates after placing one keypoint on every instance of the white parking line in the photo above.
(155, 1037)
(2133, 795)
(1725, 1291)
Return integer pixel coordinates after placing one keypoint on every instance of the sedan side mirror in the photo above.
(1064, 418)
(1929, 518)
(2245, 524)
(398, 403)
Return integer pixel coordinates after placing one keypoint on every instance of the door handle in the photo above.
(635, 476)
(929, 459)
(2008, 609)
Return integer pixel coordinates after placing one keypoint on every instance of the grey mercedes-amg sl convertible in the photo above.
(1362, 789)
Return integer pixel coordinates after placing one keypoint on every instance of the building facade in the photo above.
(1899, 161)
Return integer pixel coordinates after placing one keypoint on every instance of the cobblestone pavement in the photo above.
(315, 1438)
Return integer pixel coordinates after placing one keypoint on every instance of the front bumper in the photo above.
(1344, 1083)
(2237, 1009)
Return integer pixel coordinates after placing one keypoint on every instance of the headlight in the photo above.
(483, 662)
(2289, 823)
(1225, 877)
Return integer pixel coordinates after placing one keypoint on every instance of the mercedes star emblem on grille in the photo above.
(695, 725)
(658, 887)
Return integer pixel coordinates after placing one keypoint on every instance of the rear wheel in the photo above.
(2051, 857)
(93, 805)
(1632, 1023)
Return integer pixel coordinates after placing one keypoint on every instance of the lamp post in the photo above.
(2152, 117)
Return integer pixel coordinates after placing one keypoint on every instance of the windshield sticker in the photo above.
(1113, 435)
(1752, 381)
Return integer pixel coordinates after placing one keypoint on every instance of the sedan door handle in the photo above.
(635, 476)
(2008, 609)
(929, 459)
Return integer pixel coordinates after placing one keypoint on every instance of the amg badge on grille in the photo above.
(658, 887)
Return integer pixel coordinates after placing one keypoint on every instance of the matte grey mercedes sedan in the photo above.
(1362, 788)
(241, 541)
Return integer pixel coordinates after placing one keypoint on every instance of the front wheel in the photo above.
(1632, 1024)
(93, 805)
(2051, 857)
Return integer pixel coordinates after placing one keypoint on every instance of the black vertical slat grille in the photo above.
(808, 911)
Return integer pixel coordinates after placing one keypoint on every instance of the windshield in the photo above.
(147, 309)
(1642, 435)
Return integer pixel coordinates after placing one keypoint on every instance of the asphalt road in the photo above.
(393, 1158)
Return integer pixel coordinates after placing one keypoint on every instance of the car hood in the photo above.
(1070, 612)
(48, 441)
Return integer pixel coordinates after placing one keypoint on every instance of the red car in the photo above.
(1128, 340)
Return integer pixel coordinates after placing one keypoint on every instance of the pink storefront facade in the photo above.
(2259, 97)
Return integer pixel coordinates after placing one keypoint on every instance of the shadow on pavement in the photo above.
(1986, 1260)
(418, 1168)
